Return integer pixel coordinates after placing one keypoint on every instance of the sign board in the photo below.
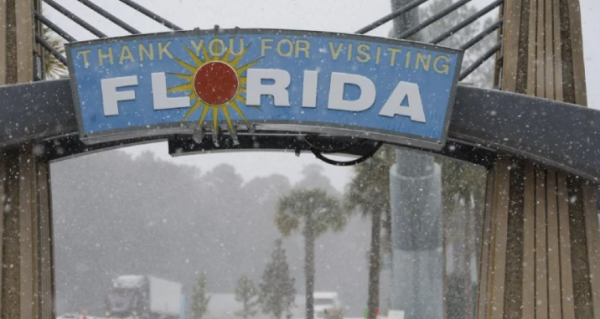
(275, 80)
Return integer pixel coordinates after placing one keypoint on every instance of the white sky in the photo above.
(325, 15)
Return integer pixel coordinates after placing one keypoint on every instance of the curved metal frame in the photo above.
(484, 122)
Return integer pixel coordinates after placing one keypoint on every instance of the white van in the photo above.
(323, 301)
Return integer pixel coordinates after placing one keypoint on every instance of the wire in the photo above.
(341, 149)
(364, 157)
(51, 49)
(391, 16)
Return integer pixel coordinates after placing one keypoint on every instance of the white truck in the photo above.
(145, 297)
(326, 305)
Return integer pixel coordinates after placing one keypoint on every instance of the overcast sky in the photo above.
(324, 15)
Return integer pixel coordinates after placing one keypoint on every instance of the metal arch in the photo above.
(560, 135)
(557, 134)
(494, 126)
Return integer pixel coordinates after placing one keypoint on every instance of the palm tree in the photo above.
(369, 193)
(314, 212)
(53, 68)
(462, 184)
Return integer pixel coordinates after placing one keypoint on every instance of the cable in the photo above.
(152, 15)
(390, 16)
(319, 155)
(342, 149)
(110, 17)
(75, 18)
(51, 49)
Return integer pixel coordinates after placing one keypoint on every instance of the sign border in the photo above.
(298, 127)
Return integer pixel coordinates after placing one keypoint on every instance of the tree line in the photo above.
(274, 295)
(311, 212)
(367, 195)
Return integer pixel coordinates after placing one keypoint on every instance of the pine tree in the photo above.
(247, 294)
(277, 286)
(200, 299)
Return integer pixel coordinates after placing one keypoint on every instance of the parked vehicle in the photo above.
(145, 297)
(326, 305)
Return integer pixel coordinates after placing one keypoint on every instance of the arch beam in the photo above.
(491, 120)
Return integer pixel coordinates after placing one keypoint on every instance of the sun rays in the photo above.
(216, 84)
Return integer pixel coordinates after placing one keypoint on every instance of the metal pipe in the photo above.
(390, 16)
(110, 17)
(482, 35)
(52, 50)
(480, 61)
(152, 15)
(75, 18)
(54, 27)
(467, 21)
(433, 19)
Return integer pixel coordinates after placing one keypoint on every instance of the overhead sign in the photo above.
(273, 80)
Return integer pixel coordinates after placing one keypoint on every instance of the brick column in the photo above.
(541, 249)
(26, 278)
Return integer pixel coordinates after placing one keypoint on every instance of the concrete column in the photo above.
(418, 260)
(26, 275)
(541, 237)
(416, 201)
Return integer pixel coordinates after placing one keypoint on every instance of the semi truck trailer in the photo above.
(145, 297)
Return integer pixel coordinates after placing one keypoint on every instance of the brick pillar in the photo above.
(26, 275)
(541, 249)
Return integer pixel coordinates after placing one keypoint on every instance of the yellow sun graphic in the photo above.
(215, 84)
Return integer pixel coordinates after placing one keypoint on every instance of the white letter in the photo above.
(415, 107)
(278, 89)
(159, 94)
(309, 89)
(110, 95)
(336, 92)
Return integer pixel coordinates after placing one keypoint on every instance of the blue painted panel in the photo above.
(385, 62)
